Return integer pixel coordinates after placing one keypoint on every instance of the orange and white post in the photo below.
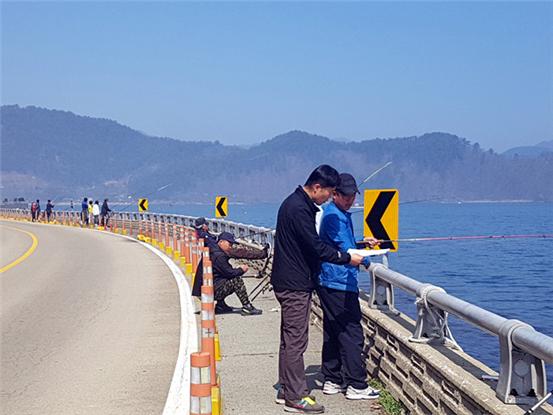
(200, 384)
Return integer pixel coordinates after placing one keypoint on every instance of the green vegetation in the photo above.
(390, 405)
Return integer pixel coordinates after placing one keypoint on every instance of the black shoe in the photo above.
(223, 308)
(250, 310)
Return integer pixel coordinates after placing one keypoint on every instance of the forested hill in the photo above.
(48, 153)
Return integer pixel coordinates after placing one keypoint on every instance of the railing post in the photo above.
(522, 376)
(382, 293)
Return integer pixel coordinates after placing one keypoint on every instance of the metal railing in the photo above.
(523, 350)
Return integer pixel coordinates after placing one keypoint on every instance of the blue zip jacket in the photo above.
(337, 230)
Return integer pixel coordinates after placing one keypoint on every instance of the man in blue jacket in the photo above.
(343, 365)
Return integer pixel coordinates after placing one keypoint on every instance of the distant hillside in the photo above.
(530, 151)
(47, 153)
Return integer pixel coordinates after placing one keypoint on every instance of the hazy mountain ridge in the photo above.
(530, 151)
(50, 153)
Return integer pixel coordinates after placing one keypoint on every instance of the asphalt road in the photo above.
(89, 323)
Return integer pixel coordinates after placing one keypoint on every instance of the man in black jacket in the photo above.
(104, 214)
(202, 232)
(296, 263)
(228, 280)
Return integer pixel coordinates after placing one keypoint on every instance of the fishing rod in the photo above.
(402, 203)
(461, 238)
(147, 195)
(539, 403)
(374, 173)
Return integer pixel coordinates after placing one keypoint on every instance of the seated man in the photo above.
(239, 252)
(202, 232)
(228, 280)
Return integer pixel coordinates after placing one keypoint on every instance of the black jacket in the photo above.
(222, 270)
(209, 240)
(298, 248)
(105, 209)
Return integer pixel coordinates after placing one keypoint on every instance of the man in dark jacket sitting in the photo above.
(228, 280)
(202, 232)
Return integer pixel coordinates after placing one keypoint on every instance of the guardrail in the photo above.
(523, 351)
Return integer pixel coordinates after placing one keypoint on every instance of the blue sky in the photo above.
(242, 73)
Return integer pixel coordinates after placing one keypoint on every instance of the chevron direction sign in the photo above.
(221, 206)
(142, 205)
(382, 217)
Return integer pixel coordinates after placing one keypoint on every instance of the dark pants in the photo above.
(342, 338)
(295, 307)
(235, 285)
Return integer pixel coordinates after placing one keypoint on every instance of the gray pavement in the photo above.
(90, 324)
(248, 369)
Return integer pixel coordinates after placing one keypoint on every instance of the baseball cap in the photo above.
(347, 185)
(199, 222)
(226, 236)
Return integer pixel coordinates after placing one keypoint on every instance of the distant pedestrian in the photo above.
(104, 213)
(96, 212)
(72, 205)
(343, 365)
(90, 213)
(84, 211)
(38, 210)
(296, 264)
(49, 207)
(34, 208)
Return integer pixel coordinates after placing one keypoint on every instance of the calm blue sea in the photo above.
(513, 278)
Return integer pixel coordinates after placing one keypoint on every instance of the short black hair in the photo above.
(324, 175)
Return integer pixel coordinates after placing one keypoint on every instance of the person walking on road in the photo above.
(96, 212)
(343, 366)
(49, 207)
(90, 209)
(84, 211)
(34, 208)
(104, 213)
(296, 264)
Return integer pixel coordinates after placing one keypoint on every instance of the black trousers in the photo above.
(342, 338)
(295, 308)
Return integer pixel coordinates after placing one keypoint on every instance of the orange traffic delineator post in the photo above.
(187, 240)
(175, 239)
(200, 384)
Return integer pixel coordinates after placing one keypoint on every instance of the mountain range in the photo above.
(57, 154)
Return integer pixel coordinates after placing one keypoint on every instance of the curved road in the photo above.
(90, 323)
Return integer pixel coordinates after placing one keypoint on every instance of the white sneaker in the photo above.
(367, 393)
(331, 388)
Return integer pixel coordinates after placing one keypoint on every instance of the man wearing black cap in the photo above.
(202, 232)
(296, 264)
(228, 280)
(343, 365)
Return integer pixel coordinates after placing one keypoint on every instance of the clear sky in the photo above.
(242, 73)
